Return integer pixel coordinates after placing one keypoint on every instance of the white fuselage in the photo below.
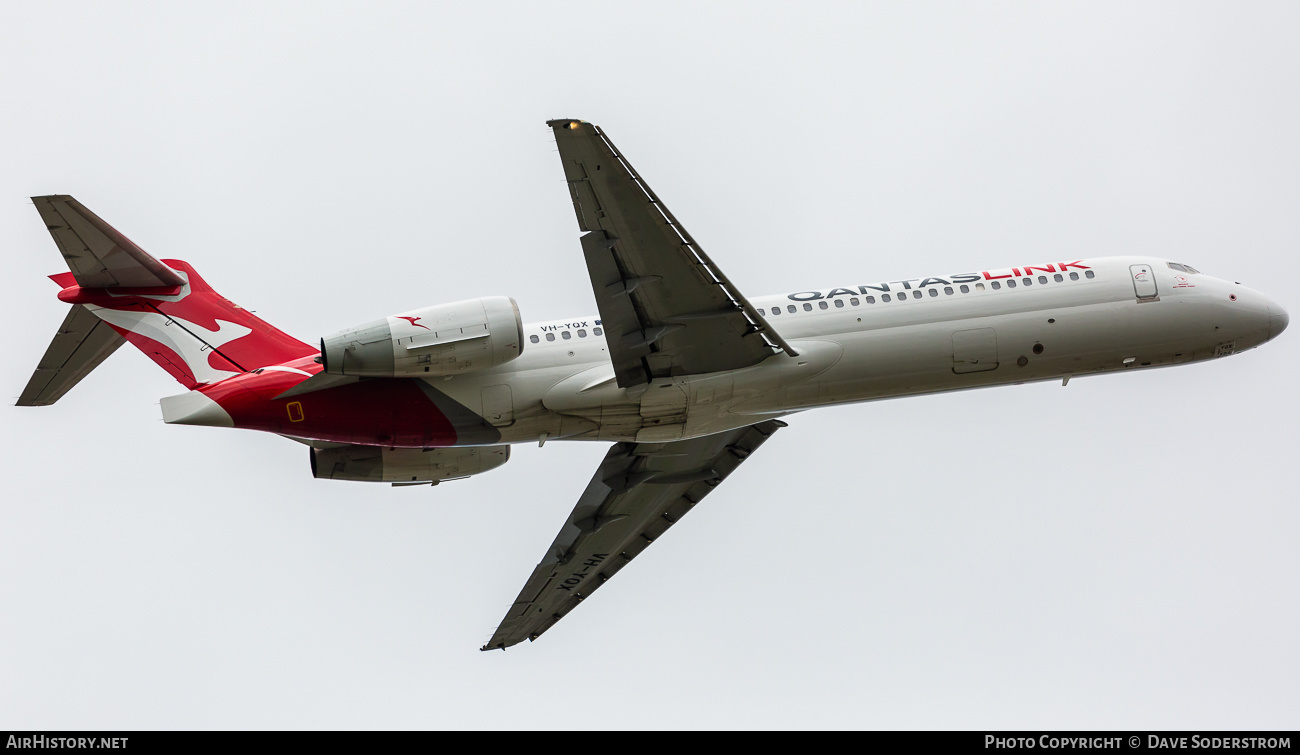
(862, 343)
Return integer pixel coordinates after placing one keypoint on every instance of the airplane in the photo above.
(683, 373)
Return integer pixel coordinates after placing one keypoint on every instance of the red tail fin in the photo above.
(162, 307)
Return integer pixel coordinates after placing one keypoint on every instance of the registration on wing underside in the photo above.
(637, 493)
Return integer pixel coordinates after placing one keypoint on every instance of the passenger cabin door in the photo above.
(974, 350)
(1144, 282)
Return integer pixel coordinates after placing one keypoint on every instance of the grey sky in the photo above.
(1117, 553)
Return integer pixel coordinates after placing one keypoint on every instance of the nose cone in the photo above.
(1278, 319)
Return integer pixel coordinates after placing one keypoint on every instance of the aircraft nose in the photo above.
(1278, 319)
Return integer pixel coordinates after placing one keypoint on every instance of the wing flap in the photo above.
(82, 342)
(638, 492)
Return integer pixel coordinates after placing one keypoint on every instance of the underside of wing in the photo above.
(667, 309)
(82, 342)
(639, 491)
(98, 255)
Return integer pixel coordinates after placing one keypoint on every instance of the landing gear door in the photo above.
(1144, 282)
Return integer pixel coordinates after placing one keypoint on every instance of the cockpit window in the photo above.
(1183, 268)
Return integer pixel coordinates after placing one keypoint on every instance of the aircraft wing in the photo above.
(82, 342)
(98, 255)
(665, 307)
(637, 493)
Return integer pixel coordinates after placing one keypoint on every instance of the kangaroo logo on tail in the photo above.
(121, 294)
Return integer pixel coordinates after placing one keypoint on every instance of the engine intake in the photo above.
(405, 465)
(442, 340)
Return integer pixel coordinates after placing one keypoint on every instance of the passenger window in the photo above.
(790, 309)
(1074, 276)
(853, 301)
(761, 313)
(1089, 274)
(582, 334)
(934, 292)
(839, 303)
(870, 300)
(776, 310)
(533, 339)
(1058, 278)
(965, 289)
(1042, 279)
(1028, 281)
(979, 286)
(550, 336)
(598, 331)
(883, 297)
(947, 290)
(1011, 284)
(807, 307)
(995, 285)
(565, 335)
(916, 294)
(823, 305)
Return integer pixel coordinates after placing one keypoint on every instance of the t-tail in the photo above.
(119, 293)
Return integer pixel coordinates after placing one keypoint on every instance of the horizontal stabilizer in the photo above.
(81, 343)
(97, 254)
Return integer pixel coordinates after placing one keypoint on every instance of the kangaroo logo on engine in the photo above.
(413, 321)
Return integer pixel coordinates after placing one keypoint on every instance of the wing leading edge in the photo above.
(667, 308)
(637, 493)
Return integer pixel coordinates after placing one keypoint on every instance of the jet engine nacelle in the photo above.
(405, 465)
(443, 340)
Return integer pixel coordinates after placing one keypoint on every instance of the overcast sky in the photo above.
(1117, 553)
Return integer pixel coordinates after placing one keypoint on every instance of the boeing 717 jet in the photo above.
(680, 370)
